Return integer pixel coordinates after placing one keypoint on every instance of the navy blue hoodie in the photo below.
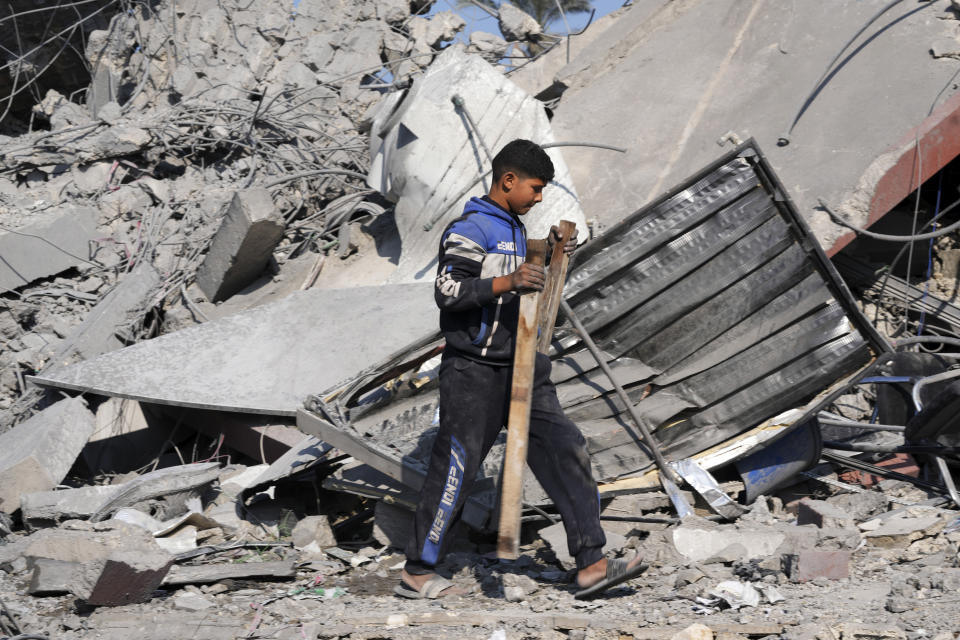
(485, 242)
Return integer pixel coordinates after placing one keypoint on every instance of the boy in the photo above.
(480, 273)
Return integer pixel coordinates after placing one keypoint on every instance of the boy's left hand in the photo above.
(554, 237)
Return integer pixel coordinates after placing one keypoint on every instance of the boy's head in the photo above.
(520, 172)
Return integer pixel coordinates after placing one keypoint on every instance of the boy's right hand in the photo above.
(529, 277)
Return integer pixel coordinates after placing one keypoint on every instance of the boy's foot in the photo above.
(605, 574)
(429, 585)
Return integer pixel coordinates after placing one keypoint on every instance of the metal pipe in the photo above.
(948, 479)
(662, 464)
(946, 375)
(869, 426)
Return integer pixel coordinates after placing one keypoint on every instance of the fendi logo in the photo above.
(503, 245)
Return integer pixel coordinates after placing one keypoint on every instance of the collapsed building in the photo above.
(224, 249)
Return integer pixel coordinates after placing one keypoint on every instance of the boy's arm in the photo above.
(459, 286)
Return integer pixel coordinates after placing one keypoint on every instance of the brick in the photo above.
(810, 563)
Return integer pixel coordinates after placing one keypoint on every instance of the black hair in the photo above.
(524, 158)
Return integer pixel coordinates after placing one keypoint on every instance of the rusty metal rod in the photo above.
(662, 463)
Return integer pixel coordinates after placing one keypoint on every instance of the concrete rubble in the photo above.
(212, 212)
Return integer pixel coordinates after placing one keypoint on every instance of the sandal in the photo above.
(617, 573)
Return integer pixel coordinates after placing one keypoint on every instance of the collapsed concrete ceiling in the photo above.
(670, 80)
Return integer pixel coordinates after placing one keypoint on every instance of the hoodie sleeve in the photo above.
(459, 286)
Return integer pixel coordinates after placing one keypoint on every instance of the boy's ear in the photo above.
(508, 180)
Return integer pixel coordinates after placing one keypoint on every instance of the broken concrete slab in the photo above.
(210, 573)
(266, 360)
(98, 332)
(103, 565)
(712, 105)
(515, 25)
(901, 530)
(48, 247)
(156, 484)
(823, 515)
(249, 233)
(432, 179)
(698, 544)
(49, 508)
(37, 454)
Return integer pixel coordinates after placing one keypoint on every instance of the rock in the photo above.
(47, 508)
(901, 530)
(489, 46)
(108, 565)
(251, 229)
(822, 514)
(697, 544)
(192, 602)
(810, 564)
(695, 631)
(945, 48)
(314, 529)
(898, 604)
(430, 34)
(860, 505)
(515, 25)
(393, 11)
(37, 453)
(556, 536)
(687, 576)
(516, 587)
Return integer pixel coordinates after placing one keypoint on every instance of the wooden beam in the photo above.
(518, 421)
(553, 289)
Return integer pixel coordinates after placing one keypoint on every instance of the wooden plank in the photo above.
(518, 421)
(553, 289)
(210, 573)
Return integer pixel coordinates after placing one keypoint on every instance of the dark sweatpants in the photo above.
(474, 405)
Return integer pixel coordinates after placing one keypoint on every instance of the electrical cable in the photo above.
(891, 238)
(784, 140)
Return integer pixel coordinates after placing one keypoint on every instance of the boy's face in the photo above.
(522, 192)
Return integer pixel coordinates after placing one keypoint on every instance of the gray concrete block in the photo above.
(313, 530)
(698, 544)
(54, 245)
(97, 334)
(37, 454)
(103, 565)
(47, 508)
(249, 233)
(823, 514)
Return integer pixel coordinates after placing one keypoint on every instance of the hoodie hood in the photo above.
(485, 205)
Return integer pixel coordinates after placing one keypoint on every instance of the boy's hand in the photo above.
(528, 277)
(554, 237)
